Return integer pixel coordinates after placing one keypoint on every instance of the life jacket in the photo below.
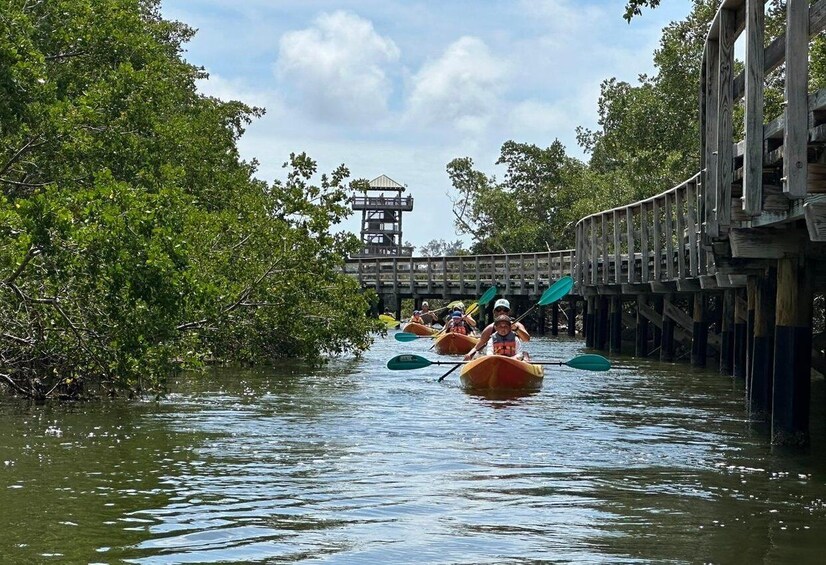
(458, 327)
(416, 319)
(504, 344)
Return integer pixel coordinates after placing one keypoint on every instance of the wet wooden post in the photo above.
(760, 381)
(740, 332)
(555, 319)
(792, 354)
(727, 333)
(588, 321)
(602, 323)
(658, 333)
(751, 299)
(616, 324)
(641, 342)
(571, 314)
(699, 340)
(667, 345)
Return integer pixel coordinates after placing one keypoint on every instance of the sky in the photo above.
(403, 87)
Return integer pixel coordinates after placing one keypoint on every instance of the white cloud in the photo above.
(336, 68)
(460, 89)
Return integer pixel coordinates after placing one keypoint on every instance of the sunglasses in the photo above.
(501, 309)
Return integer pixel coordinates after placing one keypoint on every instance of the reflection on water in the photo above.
(353, 463)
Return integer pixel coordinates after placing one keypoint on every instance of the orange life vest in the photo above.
(458, 327)
(416, 319)
(504, 344)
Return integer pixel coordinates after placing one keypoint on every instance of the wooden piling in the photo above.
(602, 323)
(641, 341)
(699, 340)
(740, 332)
(615, 321)
(727, 333)
(588, 319)
(571, 314)
(667, 345)
(555, 319)
(792, 354)
(760, 380)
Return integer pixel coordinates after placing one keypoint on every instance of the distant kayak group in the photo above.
(496, 357)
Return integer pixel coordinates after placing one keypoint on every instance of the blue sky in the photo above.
(403, 87)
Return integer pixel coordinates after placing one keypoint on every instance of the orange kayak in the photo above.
(454, 344)
(419, 329)
(500, 372)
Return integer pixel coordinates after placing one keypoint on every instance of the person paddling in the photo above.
(458, 325)
(416, 317)
(503, 340)
(428, 317)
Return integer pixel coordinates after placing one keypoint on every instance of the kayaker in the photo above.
(502, 341)
(467, 318)
(416, 317)
(457, 324)
(428, 317)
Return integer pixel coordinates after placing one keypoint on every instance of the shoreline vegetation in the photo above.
(134, 241)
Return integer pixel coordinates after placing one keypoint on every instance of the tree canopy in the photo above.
(133, 238)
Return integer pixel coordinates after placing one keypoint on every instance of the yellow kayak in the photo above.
(389, 321)
(500, 372)
(454, 344)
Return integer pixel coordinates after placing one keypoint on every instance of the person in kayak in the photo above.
(503, 340)
(428, 317)
(416, 317)
(457, 324)
(466, 318)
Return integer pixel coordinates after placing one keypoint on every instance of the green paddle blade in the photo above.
(559, 289)
(407, 336)
(590, 362)
(407, 362)
(488, 296)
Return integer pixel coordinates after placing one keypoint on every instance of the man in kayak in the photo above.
(503, 340)
(428, 317)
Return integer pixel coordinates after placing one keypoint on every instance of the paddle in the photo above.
(407, 336)
(587, 362)
(556, 291)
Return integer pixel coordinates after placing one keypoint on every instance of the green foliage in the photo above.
(133, 239)
(440, 247)
(528, 210)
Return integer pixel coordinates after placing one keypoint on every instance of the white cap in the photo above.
(425, 304)
(502, 303)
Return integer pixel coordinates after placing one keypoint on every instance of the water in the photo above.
(355, 464)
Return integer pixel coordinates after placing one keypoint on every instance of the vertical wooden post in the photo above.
(699, 340)
(760, 383)
(727, 333)
(641, 342)
(588, 320)
(602, 323)
(658, 333)
(753, 154)
(792, 354)
(751, 298)
(571, 313)
(616, 324)
(555, 319)
(740, 335)
(796, 114)
(667, 342)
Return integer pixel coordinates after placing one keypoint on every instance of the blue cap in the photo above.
(457, 314)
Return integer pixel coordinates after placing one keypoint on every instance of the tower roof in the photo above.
(385, 182)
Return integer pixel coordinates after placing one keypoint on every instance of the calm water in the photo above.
(355, 464)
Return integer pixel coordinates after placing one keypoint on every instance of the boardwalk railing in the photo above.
(656, 239)
(515, 273)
